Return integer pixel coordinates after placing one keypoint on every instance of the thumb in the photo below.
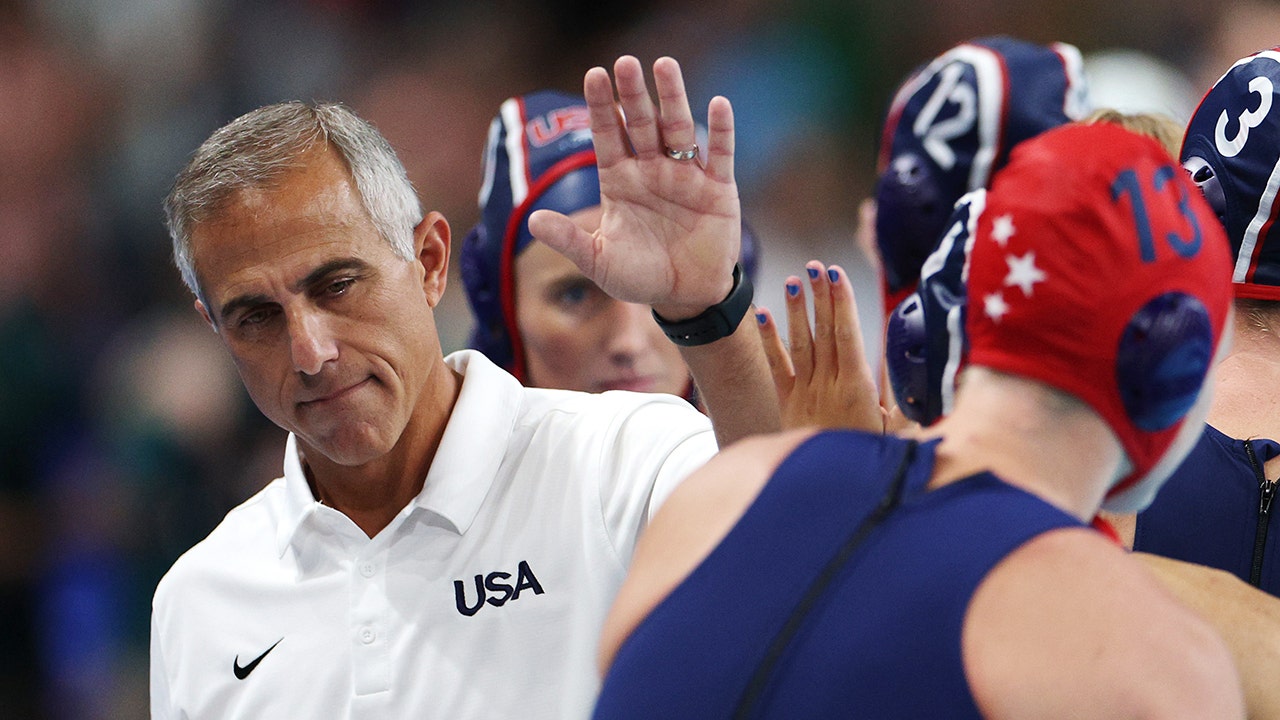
(564, 236)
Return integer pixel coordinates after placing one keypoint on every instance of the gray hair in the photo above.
(257, 149)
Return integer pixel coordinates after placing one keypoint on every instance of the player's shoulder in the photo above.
(692, 521)
(737, 473)
(1070, 625)
(717, 494)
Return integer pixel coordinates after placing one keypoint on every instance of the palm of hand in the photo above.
(663, 232)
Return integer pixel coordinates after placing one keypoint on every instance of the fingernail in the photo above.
(761, 318)
(813, 273)
(793, 289)
(833, 275)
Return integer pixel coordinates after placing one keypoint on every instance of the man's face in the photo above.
(331, 331)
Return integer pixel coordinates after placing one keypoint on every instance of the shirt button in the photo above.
(368, 569)
(367, 636)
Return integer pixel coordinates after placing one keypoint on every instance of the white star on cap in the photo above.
(1002, 229)
(994, 306)
(1023, 272)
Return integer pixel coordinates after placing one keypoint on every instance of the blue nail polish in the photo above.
(761, 318)
(793, 289)
(813, 273)
(833, 275)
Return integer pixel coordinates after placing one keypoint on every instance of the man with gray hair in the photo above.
(443, 542)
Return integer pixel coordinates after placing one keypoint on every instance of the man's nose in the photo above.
(311, 341)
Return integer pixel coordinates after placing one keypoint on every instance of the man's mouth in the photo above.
(336, 394)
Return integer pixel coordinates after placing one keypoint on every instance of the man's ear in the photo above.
(204, 313)
(431, 245)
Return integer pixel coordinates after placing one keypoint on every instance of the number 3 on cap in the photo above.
(1127, 183)
(1248, 119)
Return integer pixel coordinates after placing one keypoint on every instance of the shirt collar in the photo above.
(475, 440)
(298, 500)
(464, 467)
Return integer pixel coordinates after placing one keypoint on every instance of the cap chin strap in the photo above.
(1140, 494)
(1112, 502)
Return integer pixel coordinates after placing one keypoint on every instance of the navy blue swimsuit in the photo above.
(835, 595)
(1216, 510)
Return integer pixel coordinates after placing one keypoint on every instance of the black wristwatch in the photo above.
(718, 321)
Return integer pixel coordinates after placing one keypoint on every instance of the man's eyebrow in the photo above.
(325, 270)
(312, 278)
(242, 301)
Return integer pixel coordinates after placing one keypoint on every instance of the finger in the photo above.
(887, 397)
(850, 352)
(775, 351)
(637, 106)
(798, 330)
(676, 128)
(720, 142)
(824, 350)
(898, 424)
(608, 133)
(565, 237)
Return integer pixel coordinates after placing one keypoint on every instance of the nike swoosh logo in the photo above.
(243, 672)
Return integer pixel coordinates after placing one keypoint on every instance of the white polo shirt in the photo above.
(483, 598)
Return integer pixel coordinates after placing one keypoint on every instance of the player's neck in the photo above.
(1012, 428)
(1244, 403)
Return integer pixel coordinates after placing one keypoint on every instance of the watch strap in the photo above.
(716, 322)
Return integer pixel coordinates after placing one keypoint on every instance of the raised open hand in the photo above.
(824, 379)
(671, 227)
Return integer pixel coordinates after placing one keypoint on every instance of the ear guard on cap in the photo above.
(906, 361)
(1164, 355)
(1203, 175)
(1232, 150)
(951, 125)
(910, 205)
(478, 263)
(925, 341)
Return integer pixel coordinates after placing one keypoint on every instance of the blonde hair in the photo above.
(1161, 128)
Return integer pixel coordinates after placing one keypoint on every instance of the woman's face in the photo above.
(578, 338)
